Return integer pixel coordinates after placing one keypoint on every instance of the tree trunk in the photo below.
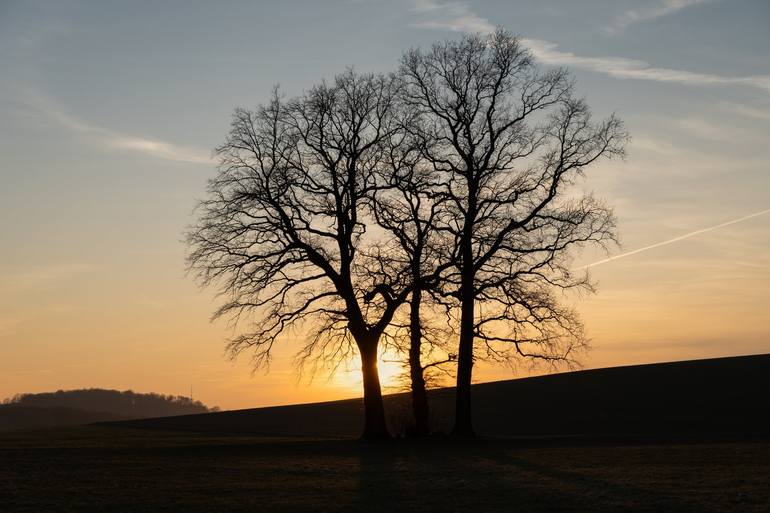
(375, 426)
(419, 394)
(463, 420)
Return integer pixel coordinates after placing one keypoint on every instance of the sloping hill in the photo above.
(14, 417)
(715, 396)
(724, 395)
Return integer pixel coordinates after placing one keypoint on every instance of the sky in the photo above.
(109, 112)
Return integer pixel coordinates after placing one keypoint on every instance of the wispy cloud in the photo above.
(648, 13)
(109, 138)
(714, 132)
(459, 17)
(750, 112)
(622, 68)
(679, 238)
(455, 16)
(655, 145)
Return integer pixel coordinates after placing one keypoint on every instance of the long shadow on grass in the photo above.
(378, 479)
(445, 476)
(595, 493)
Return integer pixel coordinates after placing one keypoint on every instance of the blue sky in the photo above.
(110, 111)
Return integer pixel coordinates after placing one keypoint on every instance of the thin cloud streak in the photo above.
(153, 147)
(454, 16)
(748, 112)
(649, 13)
(459, 17)
(677, 239)
(622, 68)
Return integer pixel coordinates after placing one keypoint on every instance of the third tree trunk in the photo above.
(419, 394)
(463, 419)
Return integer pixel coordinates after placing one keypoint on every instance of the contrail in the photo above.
(677, 239)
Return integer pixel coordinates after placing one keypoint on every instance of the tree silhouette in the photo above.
(283, 232)
(405, 205)
(508, 141)
(449, 183)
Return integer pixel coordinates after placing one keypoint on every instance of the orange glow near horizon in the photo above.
(99, 179)
(389, 368)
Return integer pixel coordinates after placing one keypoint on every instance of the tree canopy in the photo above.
(362, 207)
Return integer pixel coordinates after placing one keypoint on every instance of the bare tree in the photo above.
(406, 206)
(283, 232)
(508, 141)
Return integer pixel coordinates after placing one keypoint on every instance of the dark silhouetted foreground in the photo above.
(723, 396)
(99, 469)
(685, 437)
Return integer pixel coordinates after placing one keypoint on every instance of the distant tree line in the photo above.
(126, 403)
(432, 212)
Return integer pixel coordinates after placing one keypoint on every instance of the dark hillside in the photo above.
(14, 417)
(723, 396)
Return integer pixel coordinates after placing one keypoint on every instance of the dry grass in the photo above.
(106, 469)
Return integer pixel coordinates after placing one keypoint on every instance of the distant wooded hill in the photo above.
(71, 407)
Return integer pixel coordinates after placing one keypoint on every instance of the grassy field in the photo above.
(104, 469)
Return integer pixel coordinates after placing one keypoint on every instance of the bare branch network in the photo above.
(431, 210)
